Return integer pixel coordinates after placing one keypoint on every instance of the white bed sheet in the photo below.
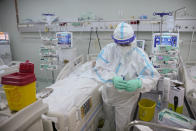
(191, 80)
(190, 84)
(85, 71)
(72, 90)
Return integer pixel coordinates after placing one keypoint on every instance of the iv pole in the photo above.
(161, 15)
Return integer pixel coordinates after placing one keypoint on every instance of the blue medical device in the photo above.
(65, 39)
(165, 39)
(162, 14)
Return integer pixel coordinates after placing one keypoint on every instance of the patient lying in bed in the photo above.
(69, 91)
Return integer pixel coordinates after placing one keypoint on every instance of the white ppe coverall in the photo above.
(129, 62)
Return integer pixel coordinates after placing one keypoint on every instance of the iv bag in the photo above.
(170, 23)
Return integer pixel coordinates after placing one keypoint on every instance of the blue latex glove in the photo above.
(133, 85)
(119, 83)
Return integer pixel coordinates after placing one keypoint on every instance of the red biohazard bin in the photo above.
(26, 67)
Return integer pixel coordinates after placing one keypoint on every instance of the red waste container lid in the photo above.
(26, 67)
(18, 79)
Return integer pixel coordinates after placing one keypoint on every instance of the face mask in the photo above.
(123, 49)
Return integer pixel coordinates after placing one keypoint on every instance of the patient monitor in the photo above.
(164, 40)
(140, 44)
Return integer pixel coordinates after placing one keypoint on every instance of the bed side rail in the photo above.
(68, 68)
(156, 125)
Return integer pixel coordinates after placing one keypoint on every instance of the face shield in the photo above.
(123, 34)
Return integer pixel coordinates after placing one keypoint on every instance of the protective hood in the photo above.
(123, 34)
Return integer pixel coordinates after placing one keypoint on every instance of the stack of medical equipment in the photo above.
(48, 53)
(171, 118)
(166, 54)
(49, 57)
(20, 87)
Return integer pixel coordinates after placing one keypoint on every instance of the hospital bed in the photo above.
(68, 68)
(189, 69)
(8, 69)
(80, 105)
(27, 119)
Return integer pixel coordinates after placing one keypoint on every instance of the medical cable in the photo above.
(98, 39)
(137, 31)
(152, 28)
(175, 103)
(90, 41)
(191, 43)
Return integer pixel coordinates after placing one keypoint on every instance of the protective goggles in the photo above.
(124, 42)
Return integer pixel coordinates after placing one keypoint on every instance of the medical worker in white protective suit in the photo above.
(126, 71)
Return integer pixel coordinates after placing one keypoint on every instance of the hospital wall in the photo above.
(26, 45)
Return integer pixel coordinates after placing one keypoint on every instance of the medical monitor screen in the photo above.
(165, 40)
(64, 39)
(140, 43)
(4, 36)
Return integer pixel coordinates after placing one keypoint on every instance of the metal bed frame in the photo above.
(136, 122)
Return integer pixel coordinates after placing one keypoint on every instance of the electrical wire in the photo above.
(152, 28)
(137, 31)
(191, 43)
(90, 41)
(98, 39)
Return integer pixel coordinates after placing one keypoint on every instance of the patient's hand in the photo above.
(93, 63)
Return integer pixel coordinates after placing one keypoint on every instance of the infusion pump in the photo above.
(164, 39)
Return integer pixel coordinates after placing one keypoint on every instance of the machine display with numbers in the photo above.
(165, 52)
(84, 109)
(140, 44)
(65, 39)
(165, 41)
(5, 52)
